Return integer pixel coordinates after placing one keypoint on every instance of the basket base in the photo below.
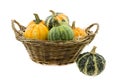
(57, 55)
(53, 63)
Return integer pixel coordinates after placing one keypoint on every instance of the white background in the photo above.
(15, 63)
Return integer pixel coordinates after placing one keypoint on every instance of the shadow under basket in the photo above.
(54, 52)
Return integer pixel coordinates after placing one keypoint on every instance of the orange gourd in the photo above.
(36, 29)
(78, 32)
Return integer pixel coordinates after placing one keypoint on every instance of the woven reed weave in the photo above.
(54, 52)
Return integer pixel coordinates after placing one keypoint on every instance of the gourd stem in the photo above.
(53, 13)
(37, 19)
(73, 24)
(93, 50)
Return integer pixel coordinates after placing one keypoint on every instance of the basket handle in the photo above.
(87, 30)
(17, 32)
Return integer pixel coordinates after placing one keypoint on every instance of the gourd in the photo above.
(61, 32)
(91, 63)
(56, 18)
(36, 29)
(78, 32)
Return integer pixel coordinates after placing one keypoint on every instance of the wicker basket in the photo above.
(54, 52)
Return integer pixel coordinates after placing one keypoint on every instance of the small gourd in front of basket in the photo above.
(61, 32)
(36, 29)
(55, 18)
(78, 32)
(91, 63)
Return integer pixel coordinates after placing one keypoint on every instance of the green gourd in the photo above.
(56, 18)
(91, 63)
(61, 32)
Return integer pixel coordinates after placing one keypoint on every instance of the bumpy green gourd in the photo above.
(56, 18)
(91, 63)
(61, 32)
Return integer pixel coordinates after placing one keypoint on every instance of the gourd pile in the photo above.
(55, 27)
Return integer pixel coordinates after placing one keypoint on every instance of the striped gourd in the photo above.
(91, 63)
(62, 32)
(56, 18)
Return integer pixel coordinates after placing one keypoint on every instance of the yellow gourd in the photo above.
(36, 29)
(78, 32)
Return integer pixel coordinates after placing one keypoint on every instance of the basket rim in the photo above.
(81, 41)
(87, 39)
